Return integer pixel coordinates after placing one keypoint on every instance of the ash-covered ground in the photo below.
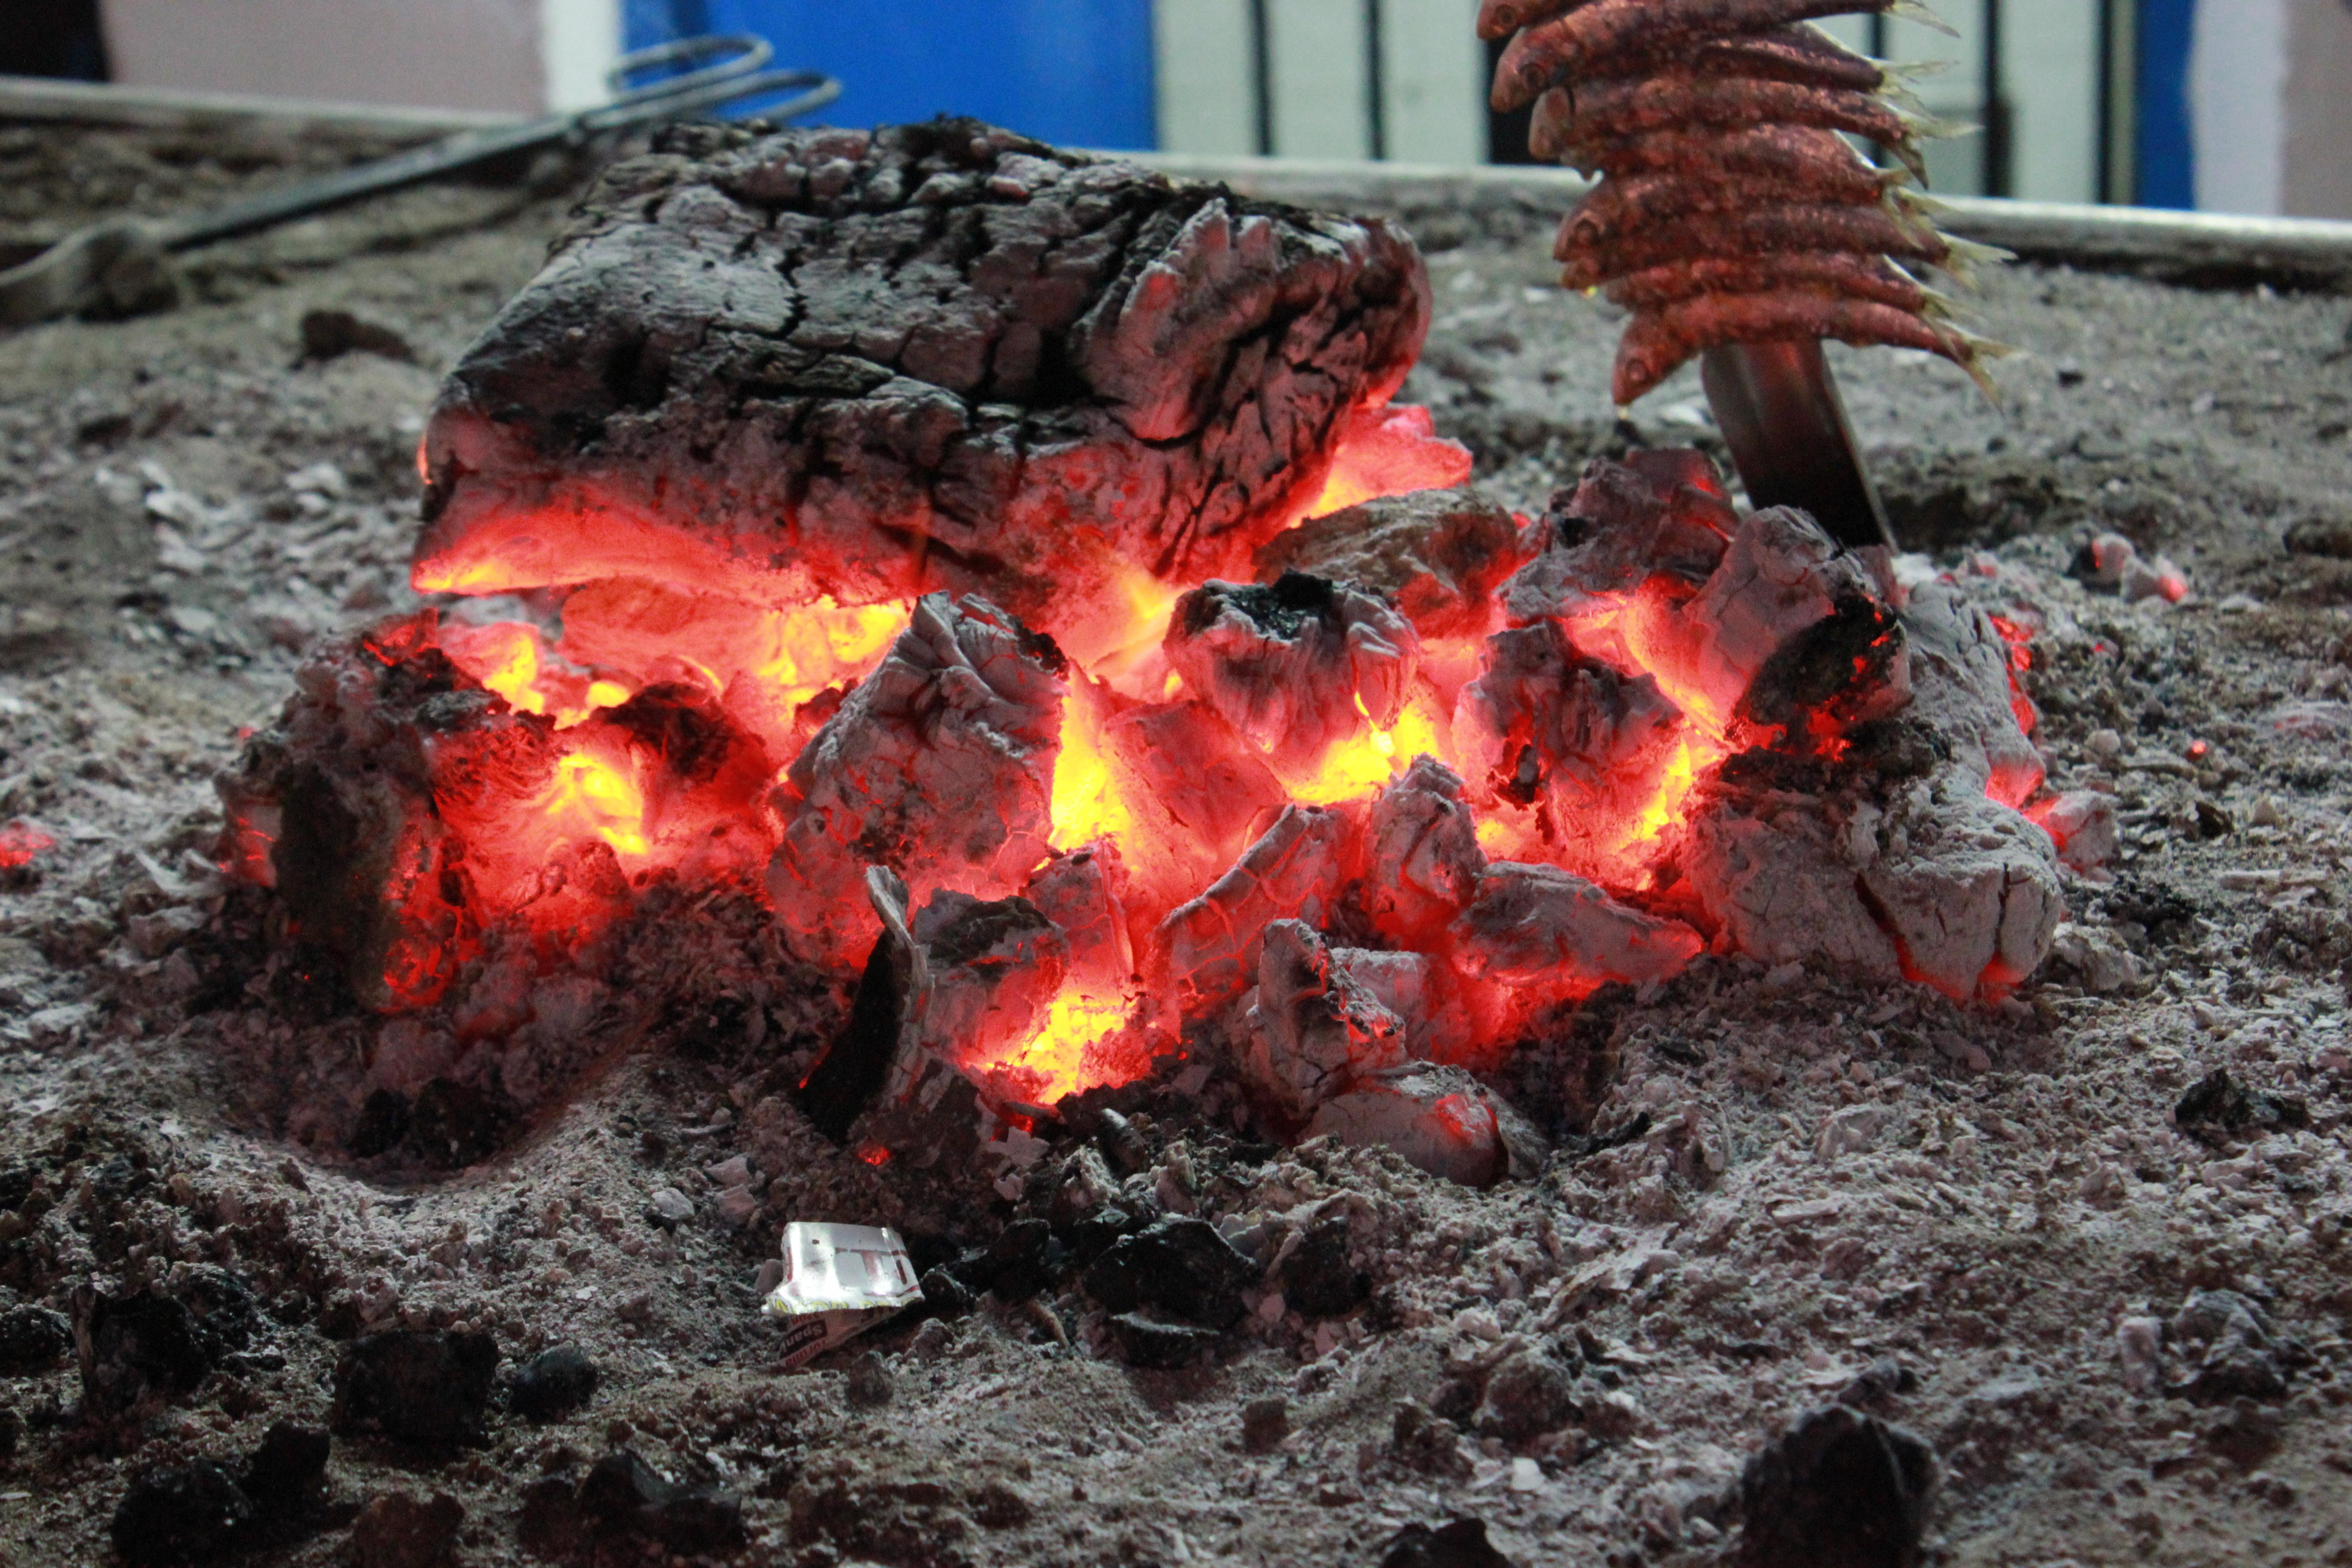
(2000, 1230)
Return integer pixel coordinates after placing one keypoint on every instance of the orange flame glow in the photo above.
(1063, 1050)
(591, 794)
(1087, 802)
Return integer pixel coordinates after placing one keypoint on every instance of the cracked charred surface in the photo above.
(937, 356)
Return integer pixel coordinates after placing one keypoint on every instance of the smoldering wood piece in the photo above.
(1664, 512)
(335, 806)
(1295, 872)
(1316, 1024)
(1439, 1117)
(1437, 555)
(1420, 857)
(1542, 722)
(1787, 595)
(1962, 692)
(1296, 665)
(933, 356)
(1213, 790)
(993, 966)
(1970, 894)
(939, 764)
(1539, 926)
(1079, 892)
(861, 1060)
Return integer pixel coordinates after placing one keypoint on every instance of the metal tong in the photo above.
(118, 261)
(1780, 411)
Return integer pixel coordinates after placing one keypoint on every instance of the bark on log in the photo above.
(934, 356)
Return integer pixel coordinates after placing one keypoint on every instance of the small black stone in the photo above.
(418, 1385)
(32, 1339)
(945, 1295)
(1460, 1544)
(869, 1385)
(2216, 1108)
(1265, 1423)
(287, 1476)
(554, 1383)
(622, 1495)
(1017, 1260)
(1178, 1263)
(331, 334)
(187, 1513)
(1317, 1279)
(1837, 1490)
(141, 1344)
(1148, 1342)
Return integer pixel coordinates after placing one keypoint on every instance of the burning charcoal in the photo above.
(554, 1383)
(2081, 823)
(1437, 555)
(1422, 860)
(187, 1513)
(1294, 872)
(622, 1495)
(1785, 590)
(134, 1346)
(335, 805)
(417, 1385)
(1295, 667)
(1837, 1490)
(1178, 1264)
(1318, 1277)
(395, 1530)
(1068, 364)
(1655, 512)
(992, 967)
(1440, 1119)
(1315, 1024)
(1964, 691)
(32, 1338)
(1202, 794)
(1539, 927)
(1778, 876)
(1544, 724)
(1157, 1344)
(1462, 1543)
(1078, 892)
(939, 765)
(1973, 901)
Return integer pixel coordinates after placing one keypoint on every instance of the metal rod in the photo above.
(1781, 414)
(1376, 90)
(1999, 131)
(1262, 73)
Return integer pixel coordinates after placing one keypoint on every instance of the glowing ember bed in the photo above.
(1007, 572)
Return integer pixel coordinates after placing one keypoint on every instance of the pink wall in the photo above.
(450, 54)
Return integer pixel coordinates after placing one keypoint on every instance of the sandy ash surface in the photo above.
(1845, 1191)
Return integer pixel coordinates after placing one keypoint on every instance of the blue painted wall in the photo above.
(1076, 72)
(2167, 140)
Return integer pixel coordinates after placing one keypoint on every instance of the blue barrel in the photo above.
(1074, 72)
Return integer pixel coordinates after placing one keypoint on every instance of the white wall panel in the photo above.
(1435, 69)
(1320, 80)
(1206, 75)
(2049, 54)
